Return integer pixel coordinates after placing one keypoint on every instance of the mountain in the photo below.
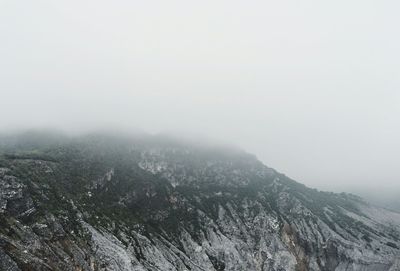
(115, 202)
(386, 197)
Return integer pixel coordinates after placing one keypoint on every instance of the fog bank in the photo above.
(311, 88)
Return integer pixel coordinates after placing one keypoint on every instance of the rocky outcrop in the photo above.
(178, 207)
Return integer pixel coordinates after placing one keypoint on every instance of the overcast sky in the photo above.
(310, 87)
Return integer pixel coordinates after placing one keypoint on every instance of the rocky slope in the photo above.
(102, 202)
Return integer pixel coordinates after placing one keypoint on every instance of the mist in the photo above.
(310, 87)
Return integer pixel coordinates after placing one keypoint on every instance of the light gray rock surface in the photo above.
(151, 206)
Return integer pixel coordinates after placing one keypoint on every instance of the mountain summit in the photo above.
(107, 202)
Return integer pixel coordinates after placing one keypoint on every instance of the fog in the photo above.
(310, 87)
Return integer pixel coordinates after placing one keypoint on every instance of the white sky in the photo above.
(310, 87)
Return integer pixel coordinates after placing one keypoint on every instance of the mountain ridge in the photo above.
(103, 202)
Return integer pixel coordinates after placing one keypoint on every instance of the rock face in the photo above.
(106, 203)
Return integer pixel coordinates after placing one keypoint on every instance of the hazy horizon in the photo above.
(311, 88)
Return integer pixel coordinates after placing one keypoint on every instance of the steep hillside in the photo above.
(103, 202)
